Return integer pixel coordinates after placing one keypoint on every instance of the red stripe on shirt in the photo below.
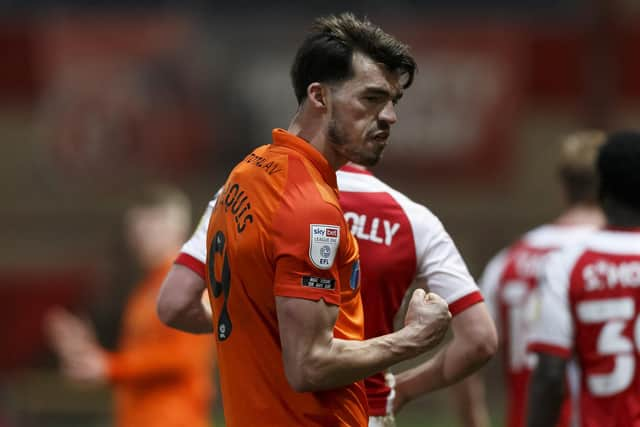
(554, 350)
(465, 302)
(191, 263)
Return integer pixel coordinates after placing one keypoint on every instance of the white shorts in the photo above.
(386, 420)
(382, 421)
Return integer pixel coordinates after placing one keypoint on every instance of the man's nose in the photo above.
(388, 114)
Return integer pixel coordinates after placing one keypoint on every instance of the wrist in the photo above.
(408, 341)
(403, 388)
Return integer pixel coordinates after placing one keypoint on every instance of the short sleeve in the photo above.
(490, 282)
(193, 253)
(440, 263)
(309, 242)
(553, 325)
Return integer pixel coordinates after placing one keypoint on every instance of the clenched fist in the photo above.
(428, 317)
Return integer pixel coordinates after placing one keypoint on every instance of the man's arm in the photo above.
(182, 302)
(164, 354)
(469, 394)
(474, 343)
(314, 360)
(442, 270)
(546, 391)
(470, 401)
(552, 339)
(74, 340)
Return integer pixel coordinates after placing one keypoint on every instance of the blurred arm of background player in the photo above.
(546, 391)
(156, 226)
(474, 343)
(183, 301)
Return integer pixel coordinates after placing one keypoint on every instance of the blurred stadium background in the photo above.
(98, 97)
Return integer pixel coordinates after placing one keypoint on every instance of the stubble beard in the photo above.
(359, 155)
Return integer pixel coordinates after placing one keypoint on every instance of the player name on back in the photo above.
(604, 274)
(375, 229)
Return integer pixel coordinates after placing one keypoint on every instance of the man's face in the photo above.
(363, 110)
(148, 232)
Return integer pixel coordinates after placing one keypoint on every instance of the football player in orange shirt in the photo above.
(161, 377)
(283, 268)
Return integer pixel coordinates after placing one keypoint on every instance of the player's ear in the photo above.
(317, 95)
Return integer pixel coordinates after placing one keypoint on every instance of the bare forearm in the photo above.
(345, 361)
(546, 392)
(314, 360)
(195, 319)
(448, 366)
(181, 304)
(474, 343)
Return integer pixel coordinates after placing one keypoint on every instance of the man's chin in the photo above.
(367, 162)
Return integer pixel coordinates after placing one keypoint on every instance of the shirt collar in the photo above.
(620, 228)
(285, 139)
(354, 168)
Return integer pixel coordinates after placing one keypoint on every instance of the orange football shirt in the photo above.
(278, 230)
(162, 377)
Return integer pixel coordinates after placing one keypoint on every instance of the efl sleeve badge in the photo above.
(323, 245)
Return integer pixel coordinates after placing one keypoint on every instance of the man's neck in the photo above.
(621, 215)
(582, 215)
(313, 130)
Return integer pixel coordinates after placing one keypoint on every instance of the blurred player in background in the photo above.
(511, 278)
(590, 304)
(282, 264)
(161, 377)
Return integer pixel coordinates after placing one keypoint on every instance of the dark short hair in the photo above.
(326, 53)
(577, 165)
(619, 168)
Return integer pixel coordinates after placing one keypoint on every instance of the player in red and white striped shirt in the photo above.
(511, 279)
(590, 305)
(400, 242)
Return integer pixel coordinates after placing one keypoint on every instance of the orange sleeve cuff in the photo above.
(305, 293)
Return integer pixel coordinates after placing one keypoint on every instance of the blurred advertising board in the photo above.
(458, 117)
